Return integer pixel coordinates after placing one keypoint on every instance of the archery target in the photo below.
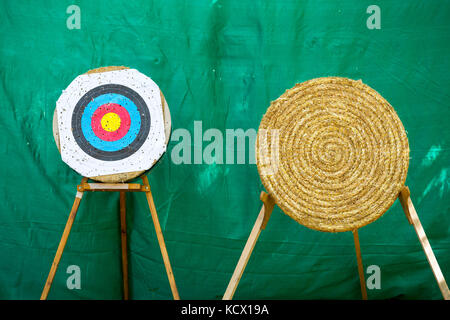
(111, 122)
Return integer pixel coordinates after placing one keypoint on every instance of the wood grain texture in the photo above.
(123, 238)
(260, 224)
(62, 243)
(362, 280)
(413, 217)
(161, 242)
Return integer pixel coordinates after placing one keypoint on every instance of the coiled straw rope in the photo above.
(333, 154)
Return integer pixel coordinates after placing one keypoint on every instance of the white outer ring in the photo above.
(144, 158)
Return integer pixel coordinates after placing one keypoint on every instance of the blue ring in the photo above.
(104, 145)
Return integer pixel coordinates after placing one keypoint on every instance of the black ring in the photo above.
(126, 151)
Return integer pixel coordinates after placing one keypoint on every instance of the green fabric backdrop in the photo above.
(220, 62)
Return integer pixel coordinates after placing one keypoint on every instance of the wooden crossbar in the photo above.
(111, 187)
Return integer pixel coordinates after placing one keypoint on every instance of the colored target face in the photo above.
(111, 122)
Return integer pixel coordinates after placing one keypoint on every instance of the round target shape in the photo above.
(333, 153)
(111, 122)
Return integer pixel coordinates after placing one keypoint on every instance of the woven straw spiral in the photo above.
(332, 153)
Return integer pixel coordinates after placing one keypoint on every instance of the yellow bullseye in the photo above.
(110, 122)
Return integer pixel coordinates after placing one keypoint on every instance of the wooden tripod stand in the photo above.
(411, 215)
(122, 188)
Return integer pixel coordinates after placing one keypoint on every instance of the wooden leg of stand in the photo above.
(260, 224)
(160, 237)
(413, 219)
(123, 235)
(360, 264)
(62, 243)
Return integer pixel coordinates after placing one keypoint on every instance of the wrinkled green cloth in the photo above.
(219, 62)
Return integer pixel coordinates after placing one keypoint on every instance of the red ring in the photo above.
(96, 123)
